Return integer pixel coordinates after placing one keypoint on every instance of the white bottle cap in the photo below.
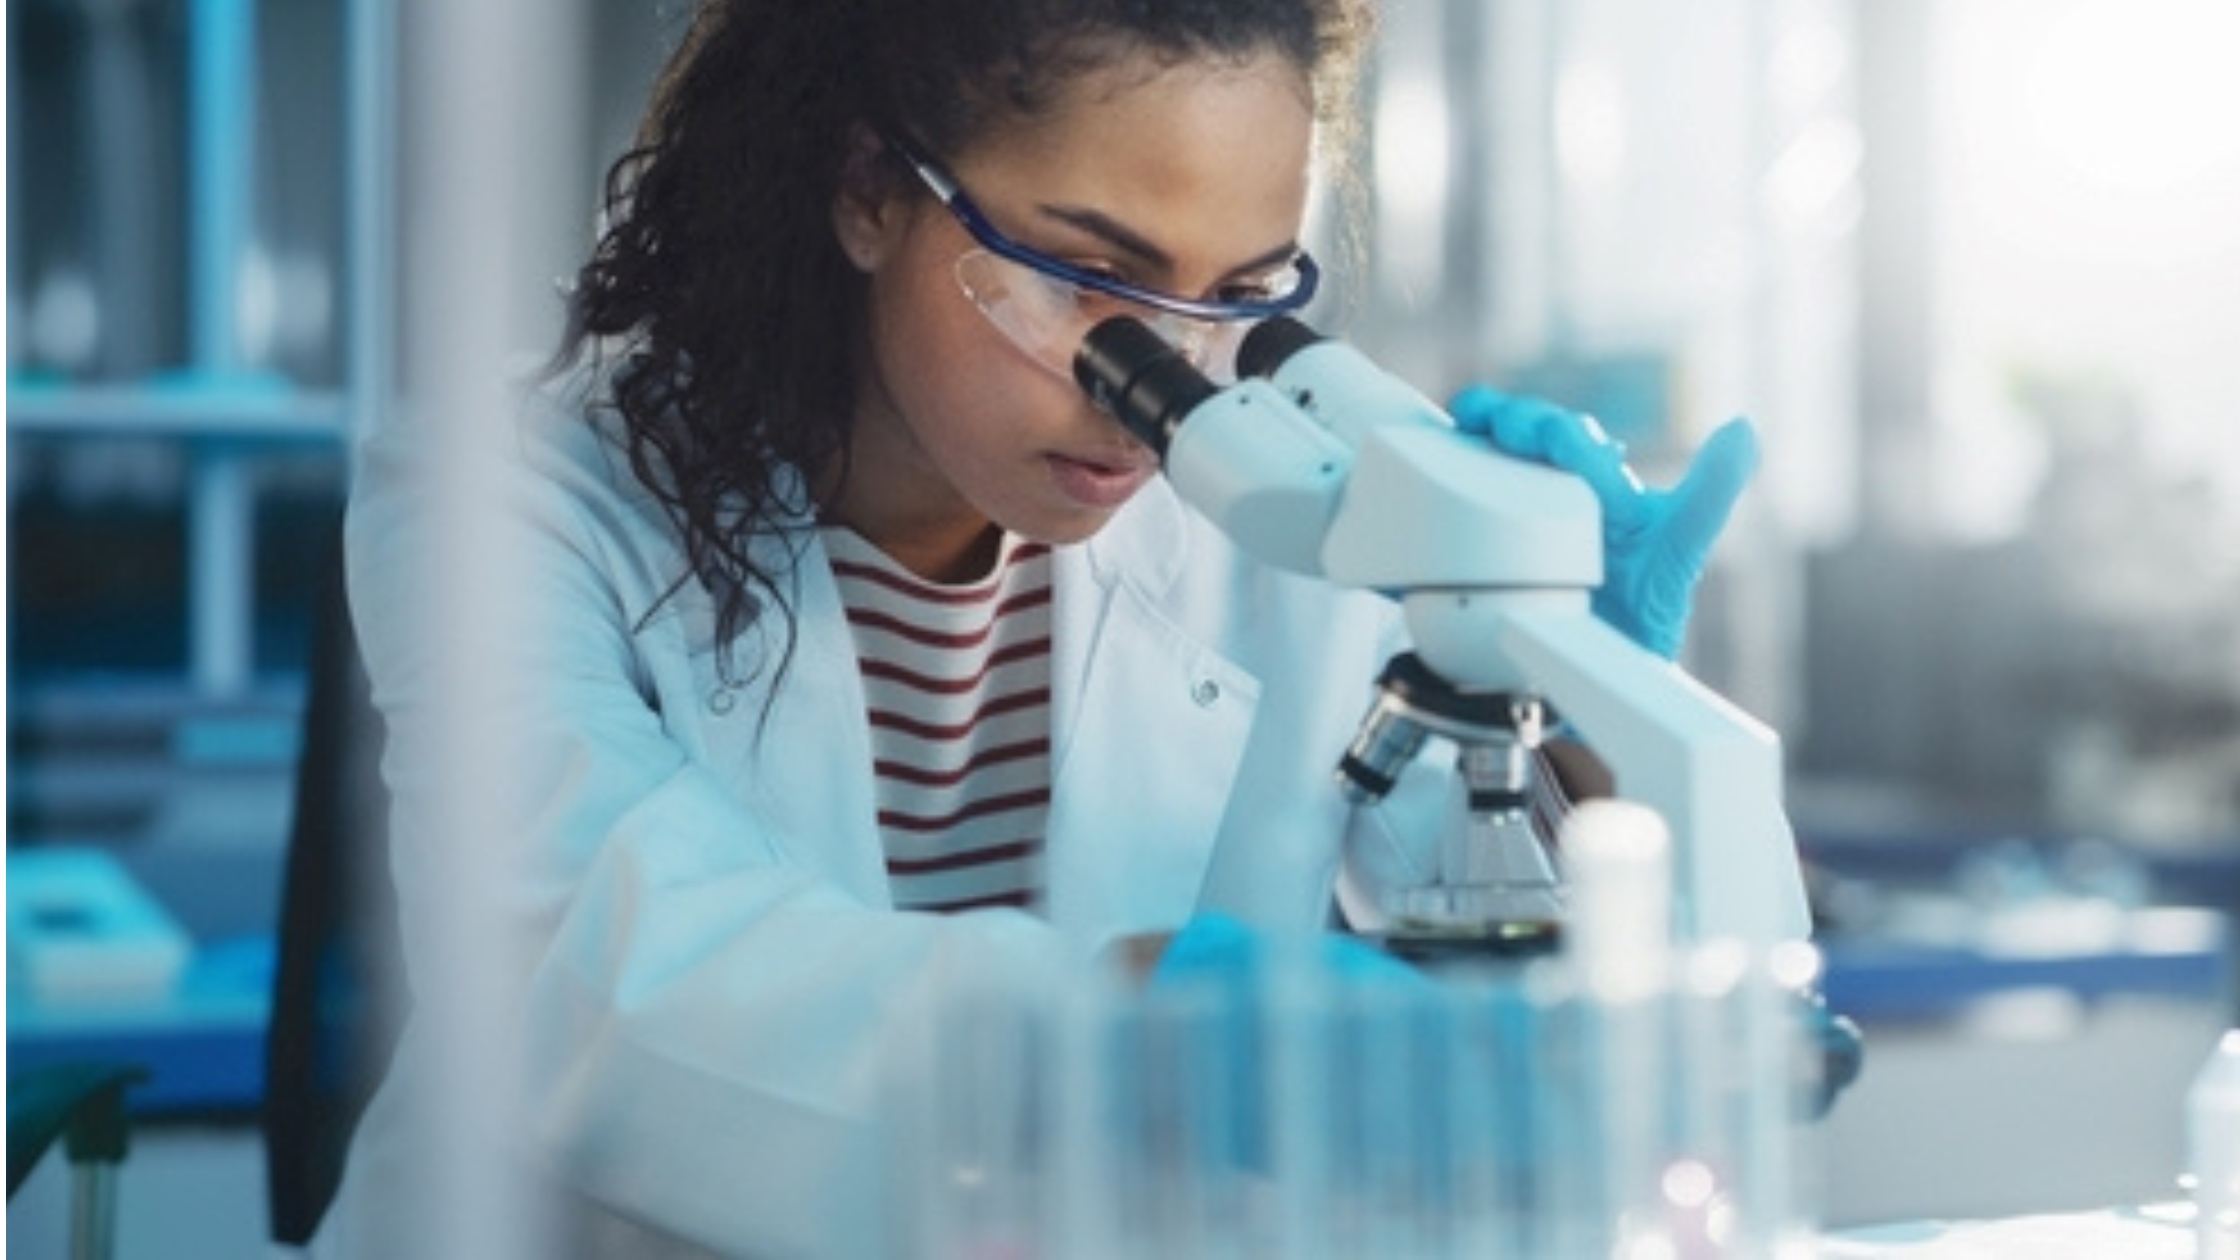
(1618, 859)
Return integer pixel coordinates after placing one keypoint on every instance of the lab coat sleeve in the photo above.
(707, 1024)
(714, 1042)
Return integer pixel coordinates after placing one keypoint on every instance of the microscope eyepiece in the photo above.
(1270, 345)
(1133, 373)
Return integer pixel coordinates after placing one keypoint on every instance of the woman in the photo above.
(852, 659)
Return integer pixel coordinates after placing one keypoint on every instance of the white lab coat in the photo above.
(713, 991)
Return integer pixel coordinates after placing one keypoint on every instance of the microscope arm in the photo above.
(1712, 771)
(1328, 466)
(1494, 559)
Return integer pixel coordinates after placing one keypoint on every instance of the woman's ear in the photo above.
(867, 212)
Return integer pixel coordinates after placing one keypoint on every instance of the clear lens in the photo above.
(1048, 317)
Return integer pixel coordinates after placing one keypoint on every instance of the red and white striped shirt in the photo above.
(957, 681)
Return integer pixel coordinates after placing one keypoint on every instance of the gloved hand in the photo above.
(1223, 1083)
(1654, 542)
(1842, 1052)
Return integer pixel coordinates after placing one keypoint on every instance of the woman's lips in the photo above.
(1101, 482)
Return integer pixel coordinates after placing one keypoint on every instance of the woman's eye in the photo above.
(1097, 299)
(1250, 292)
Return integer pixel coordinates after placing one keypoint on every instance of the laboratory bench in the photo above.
(2033, 1011)
(2153, 1231)
(1925, 957)
(2022, 1080)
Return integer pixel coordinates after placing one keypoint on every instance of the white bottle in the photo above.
(2213, 1150)
(1618, 861)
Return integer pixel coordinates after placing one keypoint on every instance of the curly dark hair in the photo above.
(717, 285)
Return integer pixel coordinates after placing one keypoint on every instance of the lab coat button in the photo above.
(722, 699)
(1205, 691)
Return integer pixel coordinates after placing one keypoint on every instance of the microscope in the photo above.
(1319, 462)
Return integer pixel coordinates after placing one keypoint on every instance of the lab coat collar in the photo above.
(1148, 729)
(1149, 540)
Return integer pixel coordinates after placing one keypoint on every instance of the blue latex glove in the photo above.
(1654, 542)
(1218, 954)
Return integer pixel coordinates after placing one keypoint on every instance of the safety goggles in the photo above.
(1046, 305)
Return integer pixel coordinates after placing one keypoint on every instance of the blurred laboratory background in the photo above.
(1971, 266)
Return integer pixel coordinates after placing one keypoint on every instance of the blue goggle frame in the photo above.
(950, 194)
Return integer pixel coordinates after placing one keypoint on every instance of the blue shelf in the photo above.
(2171, 952)
(154, 410)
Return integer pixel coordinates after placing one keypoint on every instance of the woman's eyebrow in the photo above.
(1120, 236)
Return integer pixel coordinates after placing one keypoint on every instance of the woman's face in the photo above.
(1186, 179)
